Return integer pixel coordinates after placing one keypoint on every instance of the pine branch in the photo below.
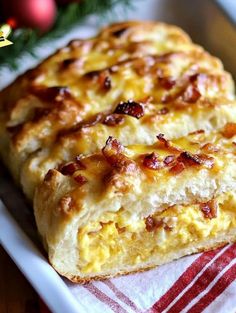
(25, 39)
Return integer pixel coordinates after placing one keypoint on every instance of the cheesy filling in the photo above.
(118, 239)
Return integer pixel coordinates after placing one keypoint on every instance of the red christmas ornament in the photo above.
(39, 14)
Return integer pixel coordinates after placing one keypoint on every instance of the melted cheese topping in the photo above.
(117, 239)
(52, 108)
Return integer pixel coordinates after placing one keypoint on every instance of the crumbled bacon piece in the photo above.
(113, 155)
(80, 179)
(177, 168)
(113, 145)
(152, 224)
(210, 148)
(188, 94)
(69, 168)
(107, 83)
(190, 159)
(167, 82)
(164, 141)
(167, 144)
(191, 94)
(131, 108)
(113, 119)
(169, 159)
(209, 209)
(229, 130)
(98, 118)
(102, 77)
(50, 94)
(152, 162)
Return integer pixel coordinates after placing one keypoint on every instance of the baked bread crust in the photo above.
(75, 94)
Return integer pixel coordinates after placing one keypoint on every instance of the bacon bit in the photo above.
(164, 141)
(107, 83)
(50, 94)
(103, 77)
(177, 168)
(151, 161)
(169, 159)
(234, 143)
(120, 162)
(69, 168)
(190, 159)
(113, 144)
(93, 121)
(104, 80)
(167, 82)
(152, 224)
(163, 111)
(190, 95)
(131, 108)
(167, 144)
(209, 209)
(80, 179)
(113, 119)
(210, 148)
(229, 130)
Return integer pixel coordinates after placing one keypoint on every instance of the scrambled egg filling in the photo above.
(118, 238)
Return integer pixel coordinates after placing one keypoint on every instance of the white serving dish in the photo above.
(208, 25)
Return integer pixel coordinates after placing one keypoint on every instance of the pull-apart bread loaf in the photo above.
(141, 88)
(133, 81)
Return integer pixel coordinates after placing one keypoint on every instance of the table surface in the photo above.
(16, 294)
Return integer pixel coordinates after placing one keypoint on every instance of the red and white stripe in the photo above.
(201, 283)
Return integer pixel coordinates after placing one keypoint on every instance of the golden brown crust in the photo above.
(153, 64)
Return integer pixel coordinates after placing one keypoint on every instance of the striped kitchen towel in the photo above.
(200, 283)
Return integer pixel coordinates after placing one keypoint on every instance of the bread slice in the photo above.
(121, 241)
(110, 196)
(177, 86)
